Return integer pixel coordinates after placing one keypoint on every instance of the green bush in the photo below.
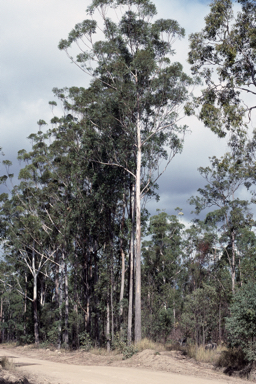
(241, 325)
(232, 358)
(122, 347)
(129, 351)
(85, 341)
(52, 334)
(118, 343)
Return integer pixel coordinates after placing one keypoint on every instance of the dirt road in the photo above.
(48, 372)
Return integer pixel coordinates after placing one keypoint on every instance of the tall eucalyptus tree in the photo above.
(134, 97)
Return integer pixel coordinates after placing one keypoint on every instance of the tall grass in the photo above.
(205, 355)
(101, 351)
(139, 346)
(149, 344)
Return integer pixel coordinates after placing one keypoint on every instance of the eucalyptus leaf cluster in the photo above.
(223, 54)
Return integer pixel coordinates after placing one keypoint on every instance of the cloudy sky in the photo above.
(31, 65)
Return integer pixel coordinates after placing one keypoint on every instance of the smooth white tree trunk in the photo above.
(138, 239)
(66, 339)
(130, 305)
(35, 312)
(108, 326)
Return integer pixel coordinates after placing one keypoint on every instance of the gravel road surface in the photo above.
(48, 372)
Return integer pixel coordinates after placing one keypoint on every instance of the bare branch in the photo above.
(22, 293)
(116, 165)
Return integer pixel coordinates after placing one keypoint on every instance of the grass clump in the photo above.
(127, 351)
(203, 355)
(120, 346)
(7, 364)
(149, 344)
(99, 351)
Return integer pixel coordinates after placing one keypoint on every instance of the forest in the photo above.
(83, 263)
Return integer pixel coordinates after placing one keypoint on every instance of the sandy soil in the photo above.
(147, 367)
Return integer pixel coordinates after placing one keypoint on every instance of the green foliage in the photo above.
(241, 325)
(161, 262)
(232, 215)
(52, 334)
(85, 341)
(122, 347)
(199, 313)
(223, 54)
(165, 322)
(233, 359)
(119, 344)
(129, 351)
(132, 46)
